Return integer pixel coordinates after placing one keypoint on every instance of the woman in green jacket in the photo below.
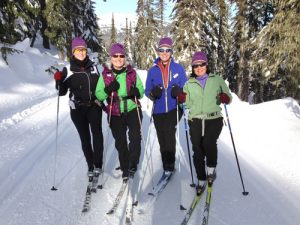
(121, 87)
(204, 94)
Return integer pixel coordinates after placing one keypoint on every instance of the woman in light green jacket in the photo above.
(204, 94)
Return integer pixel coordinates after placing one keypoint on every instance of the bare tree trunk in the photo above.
(46, 42)
(243, 74)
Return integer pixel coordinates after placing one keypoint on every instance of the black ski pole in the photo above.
(236, 157)
(188, 147)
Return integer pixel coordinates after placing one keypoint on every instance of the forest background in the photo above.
(254, 45)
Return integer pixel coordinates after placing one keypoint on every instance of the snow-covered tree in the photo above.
(91, 28)
(188, 29)
(113, 33)
(224, 35)
(250, 19)
(276, 59)
(127, 42)
(67, 19)
(60, 26)
(160, 6)
(131, 43)
(17, 21)
(146, 35)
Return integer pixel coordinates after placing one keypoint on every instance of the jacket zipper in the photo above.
(89, 85)
(166, 99)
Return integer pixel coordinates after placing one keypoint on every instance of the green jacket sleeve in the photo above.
(100, 93)
(187, 97)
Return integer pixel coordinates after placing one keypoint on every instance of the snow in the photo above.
(266, 137)
(119, 20)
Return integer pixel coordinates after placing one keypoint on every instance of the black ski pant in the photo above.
(88, 122)
(165, 125)
(205, 147)
(129, 154)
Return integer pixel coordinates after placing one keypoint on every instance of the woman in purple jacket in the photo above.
(164, 85)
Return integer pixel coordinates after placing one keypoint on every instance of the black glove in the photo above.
(156, 92)
(176, 91)
(113, 86)
(134, 92)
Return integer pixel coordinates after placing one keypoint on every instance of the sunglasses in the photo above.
(119, 56)
(167, 50)
(199, 65)
(78, 50)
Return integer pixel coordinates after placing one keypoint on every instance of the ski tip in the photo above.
(182, 208)
(110, 212)
(125, 180)
(85, 210)
(135, 203)
(53, 188)
(193, 185)
(150, 193)
(245, 193)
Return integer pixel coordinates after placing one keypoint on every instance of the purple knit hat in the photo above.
(199, 56)
(165, 42)
(117, 48)
(78, 42)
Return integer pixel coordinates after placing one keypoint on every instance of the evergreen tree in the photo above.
(276, 56)
(17, 21)
(160, 6)
(222, 38)
(91, 28)
(146, 34)
(60, 26)
(67, 19)
(102, 53)
(39, 22)
(44, 24)
(139, 35)
(206, 29)
(22, 19)
(188, 30)
(8, 33)
(127, 42)
(131, 44)
(113, 34)
(249, 20)
(243, 73)
(55, 20)
(233, 65)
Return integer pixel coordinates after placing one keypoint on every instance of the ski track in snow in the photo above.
(14, 119)
(32, 172)
(23, 166)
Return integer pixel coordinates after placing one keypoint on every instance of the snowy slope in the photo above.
(266, 138)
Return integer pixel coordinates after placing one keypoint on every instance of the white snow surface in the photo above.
(266, 138)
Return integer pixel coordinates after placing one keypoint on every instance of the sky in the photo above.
(266, 138)
(122, 9)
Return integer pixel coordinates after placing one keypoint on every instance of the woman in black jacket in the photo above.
(86, 112)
